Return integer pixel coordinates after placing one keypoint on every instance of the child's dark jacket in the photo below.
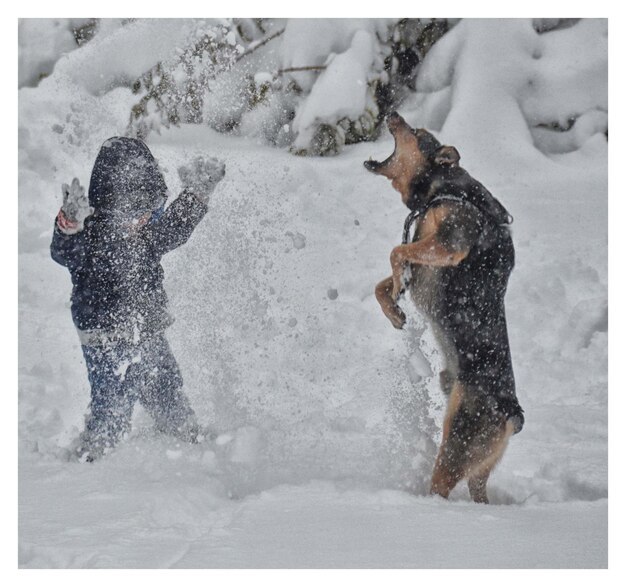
(118, 279)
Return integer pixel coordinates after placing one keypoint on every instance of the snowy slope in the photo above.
(328, 417)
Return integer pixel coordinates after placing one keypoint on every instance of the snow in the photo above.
(299, 526)
(308, 42)
(123, 54)
(54, 37)
(327, 418)
(561, 67)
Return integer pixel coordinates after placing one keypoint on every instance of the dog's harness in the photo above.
(410, 219)
(415, 214)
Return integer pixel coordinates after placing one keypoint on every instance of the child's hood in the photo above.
(126, 177)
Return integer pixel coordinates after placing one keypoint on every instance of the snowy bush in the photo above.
(313, 84)
(54, 37)
(546, 78)
(173, 90)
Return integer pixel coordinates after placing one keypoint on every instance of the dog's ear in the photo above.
(447, 156)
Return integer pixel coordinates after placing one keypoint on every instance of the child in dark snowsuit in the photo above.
(112, 244)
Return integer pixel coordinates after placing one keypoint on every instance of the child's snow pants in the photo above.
(120, 373)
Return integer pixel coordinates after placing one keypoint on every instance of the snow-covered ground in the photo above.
(328, 417)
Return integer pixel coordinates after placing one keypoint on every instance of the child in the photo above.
(112, 243)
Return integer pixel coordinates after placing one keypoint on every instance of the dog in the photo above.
(456, 269)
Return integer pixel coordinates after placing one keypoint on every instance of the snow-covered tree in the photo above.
(313, 84)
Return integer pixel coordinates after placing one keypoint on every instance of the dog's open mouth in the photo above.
(394, 121)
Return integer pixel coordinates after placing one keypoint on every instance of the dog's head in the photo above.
(415, 154)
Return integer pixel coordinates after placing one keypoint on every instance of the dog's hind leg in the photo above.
(485, 458)
(448, 469)
(477, 486)
(473, 442)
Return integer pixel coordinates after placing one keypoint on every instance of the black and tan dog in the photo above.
(456, 269)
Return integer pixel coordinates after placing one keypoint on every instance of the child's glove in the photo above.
(202, 176)
(75, 208)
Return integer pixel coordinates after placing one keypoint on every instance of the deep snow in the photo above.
(328, 417)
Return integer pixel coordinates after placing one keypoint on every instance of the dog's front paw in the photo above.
(397, 318)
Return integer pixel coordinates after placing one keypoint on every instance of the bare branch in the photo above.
(254, 46)
(303, 68)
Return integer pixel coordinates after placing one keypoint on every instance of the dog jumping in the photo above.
(456, 269)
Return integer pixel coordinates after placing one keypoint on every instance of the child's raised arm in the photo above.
(202, 176)
(180, 219)
(67, 247)
(75, 208)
